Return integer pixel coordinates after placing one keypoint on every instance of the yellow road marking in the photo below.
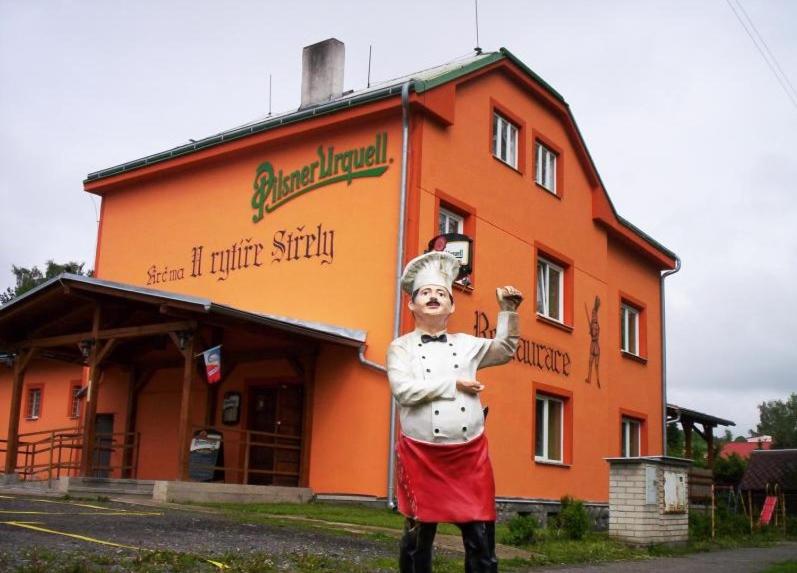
(30, 525)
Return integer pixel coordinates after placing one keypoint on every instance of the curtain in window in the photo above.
(554, 430)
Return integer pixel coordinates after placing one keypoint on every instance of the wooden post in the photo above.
(90, 415)
(687, 424)
(12, 447)
(708, 430)
(713, 513)
(183, 432)
(130, 425)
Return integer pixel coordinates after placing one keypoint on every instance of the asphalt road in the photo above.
(113, 528)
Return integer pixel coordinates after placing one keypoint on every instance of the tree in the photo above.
(729, 470)
(27, 279)
(778, 418)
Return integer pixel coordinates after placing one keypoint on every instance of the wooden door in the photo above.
(275, 418)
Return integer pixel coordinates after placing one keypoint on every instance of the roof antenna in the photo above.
(477, 48)
(269, 95)
(370, 48)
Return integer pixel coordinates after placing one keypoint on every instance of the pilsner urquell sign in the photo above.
(273, 187)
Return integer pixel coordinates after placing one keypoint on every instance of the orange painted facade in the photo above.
(329, 255)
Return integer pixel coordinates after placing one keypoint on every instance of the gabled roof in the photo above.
(677, 412)
(419, 83)
(770, 467)
(57, 297)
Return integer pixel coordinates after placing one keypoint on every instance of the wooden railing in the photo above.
(242, 442)
(52, 454)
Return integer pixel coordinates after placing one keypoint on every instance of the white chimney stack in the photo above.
(322, 71)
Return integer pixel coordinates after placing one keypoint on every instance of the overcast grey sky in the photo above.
(693, 136)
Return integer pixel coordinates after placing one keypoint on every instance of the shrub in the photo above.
(522, 530)
(574, 518)
(699, 526)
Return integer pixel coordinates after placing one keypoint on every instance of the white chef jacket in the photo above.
(423, 379)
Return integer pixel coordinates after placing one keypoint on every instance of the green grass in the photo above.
(340, 513)
(784, 567)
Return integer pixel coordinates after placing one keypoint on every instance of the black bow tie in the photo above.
(429, 338)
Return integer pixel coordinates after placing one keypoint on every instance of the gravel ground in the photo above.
(195, 532)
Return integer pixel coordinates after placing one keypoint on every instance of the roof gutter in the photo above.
(664, 357)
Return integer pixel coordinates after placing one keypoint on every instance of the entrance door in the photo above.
(103, 438)
(275, 418)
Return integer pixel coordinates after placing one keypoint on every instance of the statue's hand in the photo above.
(509, 298)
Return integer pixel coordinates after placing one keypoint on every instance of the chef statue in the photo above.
(443, 467)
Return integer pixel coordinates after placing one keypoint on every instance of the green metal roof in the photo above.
(419, 82)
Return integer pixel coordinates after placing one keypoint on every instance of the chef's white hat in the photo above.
(436, 268)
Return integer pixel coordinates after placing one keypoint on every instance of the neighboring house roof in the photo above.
(743, 449)
(419, 82)
(770, 467)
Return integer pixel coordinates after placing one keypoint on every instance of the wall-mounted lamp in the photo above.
(182, 338)
(85, 348)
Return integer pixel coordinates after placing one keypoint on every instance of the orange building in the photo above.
(285, 239)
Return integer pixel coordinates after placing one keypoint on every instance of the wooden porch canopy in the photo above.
(99, 323)
(688, 419)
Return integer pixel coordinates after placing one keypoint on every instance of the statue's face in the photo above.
(432, 301)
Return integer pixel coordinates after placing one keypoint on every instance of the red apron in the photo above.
(451, 483)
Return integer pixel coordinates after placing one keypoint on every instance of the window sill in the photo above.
(505, 164)
(548, 191)
(544, 462)
(634, 357)
(555, 323)
(31, 418)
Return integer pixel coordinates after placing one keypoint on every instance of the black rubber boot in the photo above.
(479, 540)
(415, 553)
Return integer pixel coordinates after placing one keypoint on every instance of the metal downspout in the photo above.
(405, 148)
(405, 132)
(664, 358)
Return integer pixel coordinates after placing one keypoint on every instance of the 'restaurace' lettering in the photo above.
(273, 188)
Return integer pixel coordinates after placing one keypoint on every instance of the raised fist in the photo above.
(509, 298)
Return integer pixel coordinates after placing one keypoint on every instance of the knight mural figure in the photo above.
(443, 466)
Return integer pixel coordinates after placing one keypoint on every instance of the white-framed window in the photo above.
(630, 434)
(450, 222)
(34, 403)
(629, 329)
(545, 174)
(505, 143)
(549, 430)
(550, 290)
(74, 405)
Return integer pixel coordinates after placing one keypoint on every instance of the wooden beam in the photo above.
(12, 446)
(183, 428)
(106, 349)
(55, 322)
(125, 332)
